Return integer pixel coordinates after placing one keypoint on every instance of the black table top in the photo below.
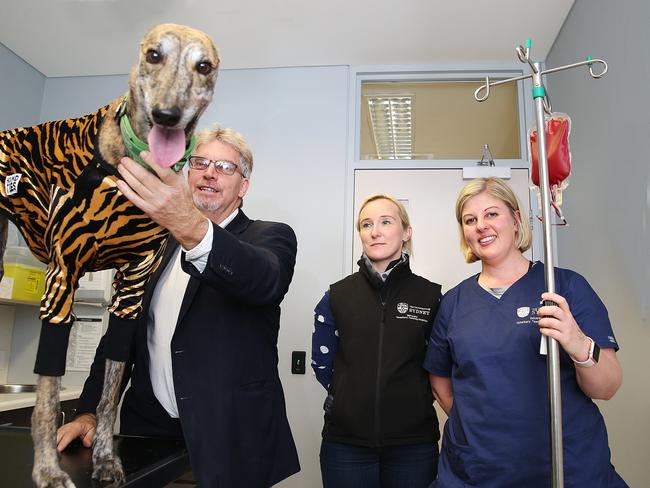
(148, 462)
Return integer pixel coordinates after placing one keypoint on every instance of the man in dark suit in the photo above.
(205, 359)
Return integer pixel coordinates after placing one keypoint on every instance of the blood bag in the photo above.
(558, 154)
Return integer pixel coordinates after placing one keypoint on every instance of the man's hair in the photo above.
(407, 247)
(499, 189)
(234, 139)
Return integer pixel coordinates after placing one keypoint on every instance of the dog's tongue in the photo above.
(167, 145)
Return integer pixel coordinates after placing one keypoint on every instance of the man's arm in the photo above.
(165, 197)
(257, 270)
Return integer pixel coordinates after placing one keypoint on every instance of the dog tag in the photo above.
(11, 183)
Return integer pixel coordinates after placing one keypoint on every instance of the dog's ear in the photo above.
(216, 55)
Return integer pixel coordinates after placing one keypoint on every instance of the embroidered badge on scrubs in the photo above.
(11, 183)
(527, 315)
(523, 312)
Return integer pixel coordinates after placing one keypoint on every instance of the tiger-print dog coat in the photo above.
(63, 198)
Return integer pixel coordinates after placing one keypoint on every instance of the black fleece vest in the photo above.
(381, 391)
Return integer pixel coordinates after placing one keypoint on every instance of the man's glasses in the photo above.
(224, 167)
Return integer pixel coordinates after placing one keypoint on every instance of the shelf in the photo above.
(7, 301)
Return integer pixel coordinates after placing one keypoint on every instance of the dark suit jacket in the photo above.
(224, 361)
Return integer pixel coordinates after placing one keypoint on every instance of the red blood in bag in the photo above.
(557, 151)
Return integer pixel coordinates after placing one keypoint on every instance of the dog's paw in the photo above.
(51, 477)
(108, 469)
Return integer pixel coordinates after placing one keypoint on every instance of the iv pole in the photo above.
(543, 104)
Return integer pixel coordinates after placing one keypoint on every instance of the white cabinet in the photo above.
(95, 288)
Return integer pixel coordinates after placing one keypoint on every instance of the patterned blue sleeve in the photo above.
(324, 341)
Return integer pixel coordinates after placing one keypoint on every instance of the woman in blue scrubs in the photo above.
(487, 369)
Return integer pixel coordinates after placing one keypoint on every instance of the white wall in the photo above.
(22, 90)
(608, 201)
(6, 330)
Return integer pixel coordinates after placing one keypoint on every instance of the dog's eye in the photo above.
(153, 57)
(203, 67)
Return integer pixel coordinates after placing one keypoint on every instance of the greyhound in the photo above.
(61, 194)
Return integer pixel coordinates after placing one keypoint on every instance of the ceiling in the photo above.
(100, 37)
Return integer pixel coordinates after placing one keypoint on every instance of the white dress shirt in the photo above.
(163, 315)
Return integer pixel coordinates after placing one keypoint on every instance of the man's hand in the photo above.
(82, 427)
(165, 197)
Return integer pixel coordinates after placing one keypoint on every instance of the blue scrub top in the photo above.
(497, 434)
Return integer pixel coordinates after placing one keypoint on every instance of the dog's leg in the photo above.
(106, 465)
(46, 472)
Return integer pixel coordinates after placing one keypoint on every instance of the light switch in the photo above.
(298, 362)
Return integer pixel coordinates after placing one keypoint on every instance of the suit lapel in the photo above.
(236, 227)
(190, 291)
(170, 246)
(238, 224)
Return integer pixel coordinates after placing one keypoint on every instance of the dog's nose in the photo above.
(168, 117)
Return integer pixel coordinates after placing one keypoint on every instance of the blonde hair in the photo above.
(496, 188)
(407, 247)
(234, 139)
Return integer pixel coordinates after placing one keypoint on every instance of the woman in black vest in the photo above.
(368, 345)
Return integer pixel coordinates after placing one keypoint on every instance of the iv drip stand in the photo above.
(542, 105)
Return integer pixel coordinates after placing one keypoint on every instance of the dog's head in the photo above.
(170, 87)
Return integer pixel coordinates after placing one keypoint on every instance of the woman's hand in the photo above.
(601, 380)
(558, 322)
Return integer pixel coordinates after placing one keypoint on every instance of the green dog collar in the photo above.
(134, 145)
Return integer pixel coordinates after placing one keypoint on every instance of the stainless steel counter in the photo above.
(12, 401)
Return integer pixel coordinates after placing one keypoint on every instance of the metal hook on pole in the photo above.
(489, 83)
(485, 87)
(546, 102)
(591, 67)
(588, 62)
(523, 53)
